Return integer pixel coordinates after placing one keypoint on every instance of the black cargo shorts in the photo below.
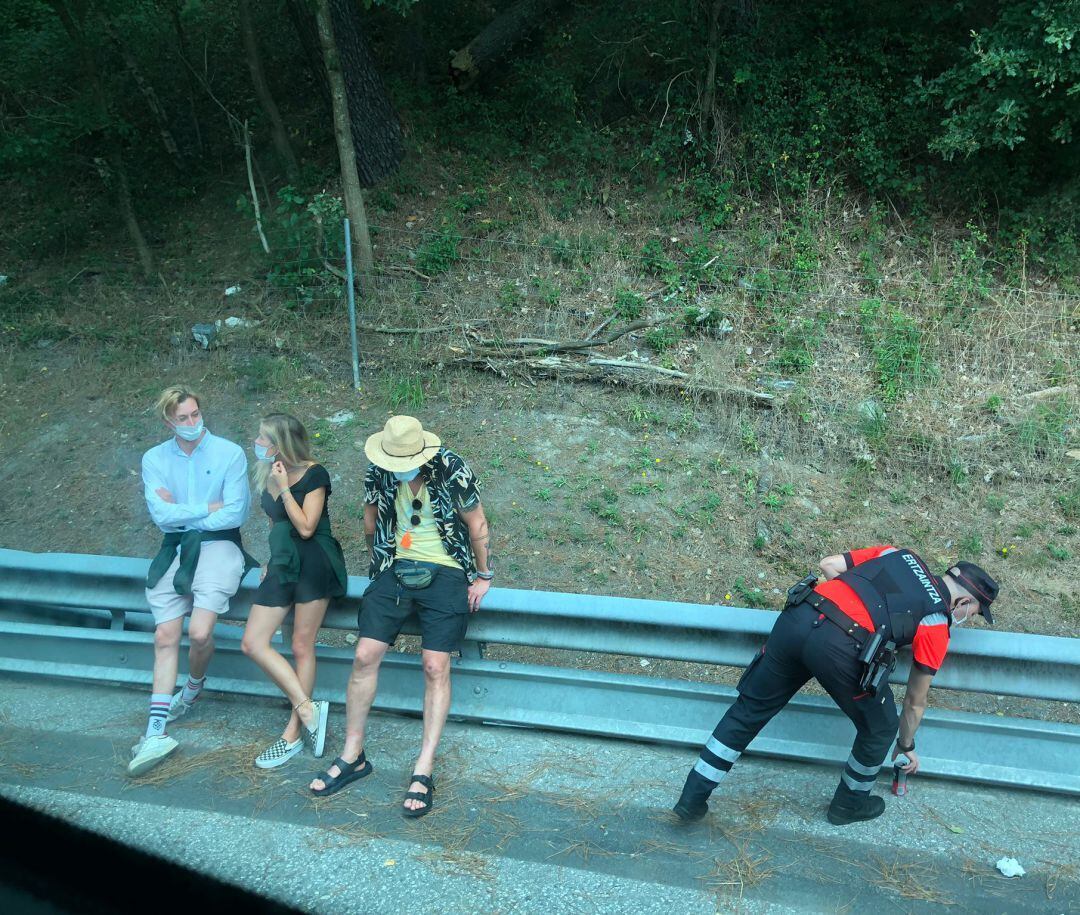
(443, 607)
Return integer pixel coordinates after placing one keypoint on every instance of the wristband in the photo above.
(486, 576)
(904, 749)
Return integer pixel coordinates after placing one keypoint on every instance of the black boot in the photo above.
(854, 806)
(692, 804)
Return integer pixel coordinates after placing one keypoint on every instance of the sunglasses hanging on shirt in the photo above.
(406, 537)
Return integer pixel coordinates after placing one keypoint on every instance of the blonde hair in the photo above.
(288, 435)
(171, 398)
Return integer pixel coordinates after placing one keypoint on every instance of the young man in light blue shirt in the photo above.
(196, 490)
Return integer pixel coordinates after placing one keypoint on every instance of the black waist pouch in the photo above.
(414, 577)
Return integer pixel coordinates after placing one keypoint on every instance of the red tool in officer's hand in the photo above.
(899, 776)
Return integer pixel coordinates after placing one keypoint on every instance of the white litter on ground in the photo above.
(240, 322)
(232, 290)
(340, 418)
(1010, 867)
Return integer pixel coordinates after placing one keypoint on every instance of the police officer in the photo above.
(835, 632)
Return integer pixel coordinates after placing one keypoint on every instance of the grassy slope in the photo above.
(613, 490)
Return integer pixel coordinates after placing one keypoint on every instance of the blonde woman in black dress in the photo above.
(306, 569)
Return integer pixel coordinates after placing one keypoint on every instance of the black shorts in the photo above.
(443, 608)
(315, 581)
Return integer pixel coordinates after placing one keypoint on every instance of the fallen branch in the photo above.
(340, 274)
(1048, 392)
(246, 135)
(542, 347)
(641, 366)
(611, 317)
(405, 268)
(434, 329)
(599, 327)
(612, 371)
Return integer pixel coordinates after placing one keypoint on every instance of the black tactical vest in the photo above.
(898, 591)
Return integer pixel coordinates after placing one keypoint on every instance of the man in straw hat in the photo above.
(428, 540)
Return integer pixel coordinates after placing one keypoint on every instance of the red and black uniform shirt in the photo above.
(931, 640)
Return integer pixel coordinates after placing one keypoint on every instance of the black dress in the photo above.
(316, 579)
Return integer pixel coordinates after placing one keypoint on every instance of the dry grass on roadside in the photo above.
(908, 881)
(229, 768)
(746, 870)
(457, 863)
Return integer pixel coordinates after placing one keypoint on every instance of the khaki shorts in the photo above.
(217, 578)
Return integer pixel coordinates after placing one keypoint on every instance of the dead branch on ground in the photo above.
(613, 372)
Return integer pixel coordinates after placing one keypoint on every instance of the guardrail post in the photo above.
(473, 650)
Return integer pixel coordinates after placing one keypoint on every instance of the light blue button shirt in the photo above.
(216, 471)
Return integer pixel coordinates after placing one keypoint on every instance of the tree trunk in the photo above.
(707, 123)
(343, 134)
(306, 30)
(173, 9)
(375, 126)
(118, 177)
(262, 91)
(146, 90)
(127, 209)
(498, 37)
(415, 45)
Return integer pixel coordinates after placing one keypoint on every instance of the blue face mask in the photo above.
(261, 452)
(189, 433)
(406, 475)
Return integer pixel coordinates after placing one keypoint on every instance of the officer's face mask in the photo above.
(967, 612)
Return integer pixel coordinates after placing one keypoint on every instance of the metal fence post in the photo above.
(349, 291)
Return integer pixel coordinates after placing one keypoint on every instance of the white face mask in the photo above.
(406, 475)
(960, 621)
(189, 433)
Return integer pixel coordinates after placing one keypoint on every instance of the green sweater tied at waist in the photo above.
(190, 543)
(285, 554)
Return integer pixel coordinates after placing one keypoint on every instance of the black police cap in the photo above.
(982, 587)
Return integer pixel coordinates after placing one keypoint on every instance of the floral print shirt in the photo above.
(452, 487)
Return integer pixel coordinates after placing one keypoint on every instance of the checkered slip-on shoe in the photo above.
(278, 753)
(315, 737)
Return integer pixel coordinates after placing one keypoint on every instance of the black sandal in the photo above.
(348, 772)
(428, 797)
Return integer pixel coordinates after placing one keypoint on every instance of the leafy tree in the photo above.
(1017, 82)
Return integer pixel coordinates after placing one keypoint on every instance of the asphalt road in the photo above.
(524, 821)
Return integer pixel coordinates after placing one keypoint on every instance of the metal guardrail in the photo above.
(88, 590)
(1003, 663)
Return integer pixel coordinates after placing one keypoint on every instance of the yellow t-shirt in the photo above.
(424, 541)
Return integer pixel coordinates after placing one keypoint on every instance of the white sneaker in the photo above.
(278, 753)
(148, 752)
(178, 708)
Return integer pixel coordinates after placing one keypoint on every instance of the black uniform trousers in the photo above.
(804, 645)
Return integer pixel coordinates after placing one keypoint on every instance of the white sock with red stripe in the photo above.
(192, 689)
(159, 711)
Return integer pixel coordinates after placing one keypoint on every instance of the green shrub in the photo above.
(629, 305)
(1044, 429)
(439, 251)
(662, 338)
(896, 342)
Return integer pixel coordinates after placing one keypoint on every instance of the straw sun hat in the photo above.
(402, 445)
